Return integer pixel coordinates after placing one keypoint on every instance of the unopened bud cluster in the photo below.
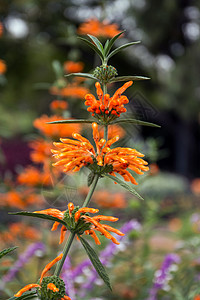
(72, 225)
(105, 73)
(46, 293)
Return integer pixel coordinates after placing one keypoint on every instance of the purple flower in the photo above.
(67, 277)
(162, 276)
(22, 260)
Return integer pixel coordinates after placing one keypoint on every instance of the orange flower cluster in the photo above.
(3, 67)
(80, 214)
(73, 67)
(97, 28)
(73, 155)
(106, 199)
(106, 105)
(19, 231)
(57, 130)
(71, 90)
(58, 105)
(41, 151)
(50, 286)
(31, 176)
(20, 199)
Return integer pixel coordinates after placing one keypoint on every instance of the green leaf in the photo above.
(97, 43)
(136, 122)
(71, 121)
(96, 262)
(90, 178)
(121, 48)
(105, 47)
(26, 296)
(111, 42)
(38, 215)
(6, 251)
(86, 75)
(127, 78)
(91, 45)
(124, 185)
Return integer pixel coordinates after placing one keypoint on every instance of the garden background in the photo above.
(38, 40)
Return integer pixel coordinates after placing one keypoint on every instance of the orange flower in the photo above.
(73, 155)
(20, 199)
(58, 105)
(3, 67)
(41, 150)
(55, 130)
(197, 297)
(107, 107)
(77, 221)
(45, 286)
(154, 169)
(195, 186)
(31, 176)
(71, 90)
(97, 28)
(73, 67)
(106, 199)
(1, 29)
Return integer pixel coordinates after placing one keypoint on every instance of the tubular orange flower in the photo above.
(107, 107)
(78, 221)
(48, 284)
(73, 67)
(71, 90)
(97, 28)
(3, 67)
(27, 288)
(56, 130)
(31, 176)
(73, 155)
(58, 105)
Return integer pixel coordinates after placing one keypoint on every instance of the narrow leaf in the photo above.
(71, 121)
(121, 48)
(105, 47)
(111, 42)
(127, 78)
(124, 185)
(96, 262)
(91, 45)
(136, 122)
(26, 296)
(6, 251)
(86, 75)
(38, 215)
(97, 42)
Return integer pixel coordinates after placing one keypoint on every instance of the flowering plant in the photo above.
(102, 160)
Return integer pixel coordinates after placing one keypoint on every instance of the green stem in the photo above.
(72, 235)
(106, 132)
(65, 252)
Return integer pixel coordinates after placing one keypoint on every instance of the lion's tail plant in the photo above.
(101, 160)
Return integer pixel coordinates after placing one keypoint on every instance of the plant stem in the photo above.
(106, 132)
(65, 252)
(72, 234)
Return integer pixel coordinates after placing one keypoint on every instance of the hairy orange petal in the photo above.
(62, 234)
(52, 287)
(27, 288)
(50, 265)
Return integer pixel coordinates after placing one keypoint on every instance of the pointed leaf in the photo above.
(136, 122)
(127, 78)
(91, 45)
(38, 215)
(86, 75)
(96, 262)
(105, 47)
(97, 42)
(26, 296)
(6, 251)
(111, 42)
(124, 185)
(71, 121)
(121, 48)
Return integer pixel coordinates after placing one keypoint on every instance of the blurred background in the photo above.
(38, 43)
